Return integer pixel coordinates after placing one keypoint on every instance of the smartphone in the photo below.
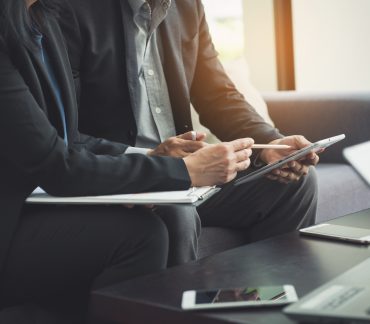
(238, 297)
(339, 232)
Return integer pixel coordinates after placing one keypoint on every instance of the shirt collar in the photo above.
(137, 4)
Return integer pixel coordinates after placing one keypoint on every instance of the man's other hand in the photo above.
(219, 163)
(180, 146)
(294, 170)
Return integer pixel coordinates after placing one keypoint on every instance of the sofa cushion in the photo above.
(217, 239)
(238, 71)
(341, 191)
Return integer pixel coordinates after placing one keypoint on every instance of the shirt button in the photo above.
(165, 4)
(150, 72)
(158, 110)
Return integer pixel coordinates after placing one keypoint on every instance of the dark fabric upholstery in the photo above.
(316, 116)
(321, 115)
(217, 239)
(341, 191)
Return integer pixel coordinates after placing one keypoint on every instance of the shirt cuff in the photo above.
(138, 150)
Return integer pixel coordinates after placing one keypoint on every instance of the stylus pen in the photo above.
(271, 146)
(254, 146)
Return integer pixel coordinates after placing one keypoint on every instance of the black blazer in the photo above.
(94, 33)
(32, 154)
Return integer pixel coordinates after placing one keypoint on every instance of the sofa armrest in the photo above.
(321, 115)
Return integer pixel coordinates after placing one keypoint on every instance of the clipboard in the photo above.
(315, 147)
(194, 196)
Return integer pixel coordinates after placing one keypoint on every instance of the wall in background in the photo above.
(260, 48)
(244, 30)
(331, 41)
(226, 27)
(332, 44)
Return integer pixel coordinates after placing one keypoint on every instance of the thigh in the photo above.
(251, 203)
(183, 224)
(62, 250)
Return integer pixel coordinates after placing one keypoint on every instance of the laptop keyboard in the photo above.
(345, 295)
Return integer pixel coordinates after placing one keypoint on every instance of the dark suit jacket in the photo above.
(32, 154)
(94, 33)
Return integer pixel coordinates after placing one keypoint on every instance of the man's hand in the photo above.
(219, 163)
(180, 146)
(294, 170)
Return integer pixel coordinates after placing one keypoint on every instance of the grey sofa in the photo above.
(316, 116)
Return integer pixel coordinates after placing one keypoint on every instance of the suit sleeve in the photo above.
(99, 146)
(31, 146)
(214, 94)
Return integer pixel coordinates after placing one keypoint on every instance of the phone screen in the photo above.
(272, 293)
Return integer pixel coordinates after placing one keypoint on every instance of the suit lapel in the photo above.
(49, 100)
(174, 69)
(129, 57)
(59, 57)
(57, 53)
(43, 76)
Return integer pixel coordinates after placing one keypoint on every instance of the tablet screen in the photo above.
(291, 157)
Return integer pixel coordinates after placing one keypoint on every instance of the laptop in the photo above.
(359, 157)
(345, 299)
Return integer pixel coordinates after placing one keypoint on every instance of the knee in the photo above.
(154, 235)
(182, 222)
(145, 243)
(310, 184)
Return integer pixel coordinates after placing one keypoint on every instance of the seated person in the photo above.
(138, 65)
(53, 256)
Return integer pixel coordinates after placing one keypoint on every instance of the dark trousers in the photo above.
(262, 208)
(184, 228)
(60, 253)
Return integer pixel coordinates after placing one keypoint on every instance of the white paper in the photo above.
(190, 196)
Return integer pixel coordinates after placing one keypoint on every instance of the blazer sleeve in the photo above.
(214, 94)
(98, 146)
(31, 146)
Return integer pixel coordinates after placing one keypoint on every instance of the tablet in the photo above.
(339, 232)
(296, 155)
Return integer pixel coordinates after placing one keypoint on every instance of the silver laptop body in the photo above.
(359, 157)
(345, 299)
